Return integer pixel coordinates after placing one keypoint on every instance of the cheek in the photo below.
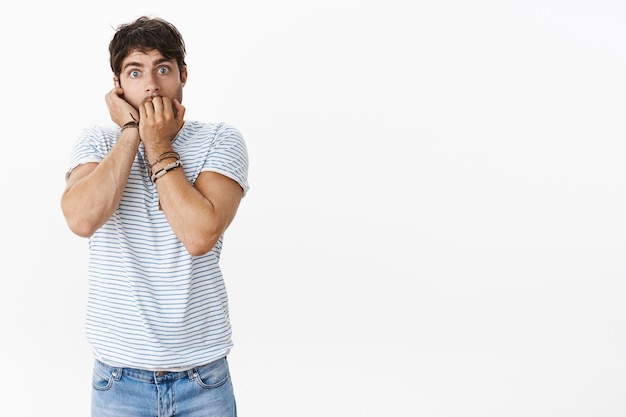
(132, 94)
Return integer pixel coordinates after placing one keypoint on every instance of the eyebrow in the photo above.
(154, 63)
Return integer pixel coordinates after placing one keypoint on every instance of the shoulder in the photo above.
(97, 137)
(99, 133)
(192, 128)
(195, 133)
(101, 130)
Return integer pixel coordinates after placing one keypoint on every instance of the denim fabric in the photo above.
(198, 392)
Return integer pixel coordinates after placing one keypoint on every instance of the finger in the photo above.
(143, 115)
(167, 104)
(117, 90)
(148, 108)
(114, 93)
(157, 104)
(180, 110)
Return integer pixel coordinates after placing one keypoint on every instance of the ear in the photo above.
(116, 82)
(183, 76)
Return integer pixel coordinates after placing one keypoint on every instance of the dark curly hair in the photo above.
(144, 34)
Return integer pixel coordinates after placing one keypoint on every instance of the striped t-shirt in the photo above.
(151, 305)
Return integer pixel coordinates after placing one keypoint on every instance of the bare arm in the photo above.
(197, 213)
(94, 190)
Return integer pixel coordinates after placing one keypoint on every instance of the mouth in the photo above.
(149, 99)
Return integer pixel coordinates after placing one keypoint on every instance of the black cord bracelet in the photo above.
(130, 124)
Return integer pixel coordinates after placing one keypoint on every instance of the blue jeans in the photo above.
(206, 391)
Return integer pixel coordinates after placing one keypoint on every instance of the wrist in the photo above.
(158, 173)
(130, 125)
(130, 135)
(164, 160)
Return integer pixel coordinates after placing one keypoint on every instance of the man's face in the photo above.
(148, 74)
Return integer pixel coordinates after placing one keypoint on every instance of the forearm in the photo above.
(91, 197)
(198, 213)
(192, 217)
(189, 213)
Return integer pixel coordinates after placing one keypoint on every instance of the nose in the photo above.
(152, 84)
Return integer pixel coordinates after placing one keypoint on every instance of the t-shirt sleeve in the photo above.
(89, 147)
(229, 156)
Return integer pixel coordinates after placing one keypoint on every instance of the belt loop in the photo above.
(117, 373)
(192, 373)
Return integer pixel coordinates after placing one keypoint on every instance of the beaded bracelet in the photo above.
(167, 168)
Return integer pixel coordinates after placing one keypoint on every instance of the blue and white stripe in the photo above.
(151, 305)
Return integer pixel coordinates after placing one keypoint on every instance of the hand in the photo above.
(120, 110)
(161, 119)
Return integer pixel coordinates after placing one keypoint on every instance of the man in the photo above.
(154, 193)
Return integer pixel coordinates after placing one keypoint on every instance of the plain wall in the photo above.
(436, 220)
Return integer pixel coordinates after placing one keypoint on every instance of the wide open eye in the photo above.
(163, 70)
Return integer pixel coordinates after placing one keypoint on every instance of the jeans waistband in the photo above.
(152, 376)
